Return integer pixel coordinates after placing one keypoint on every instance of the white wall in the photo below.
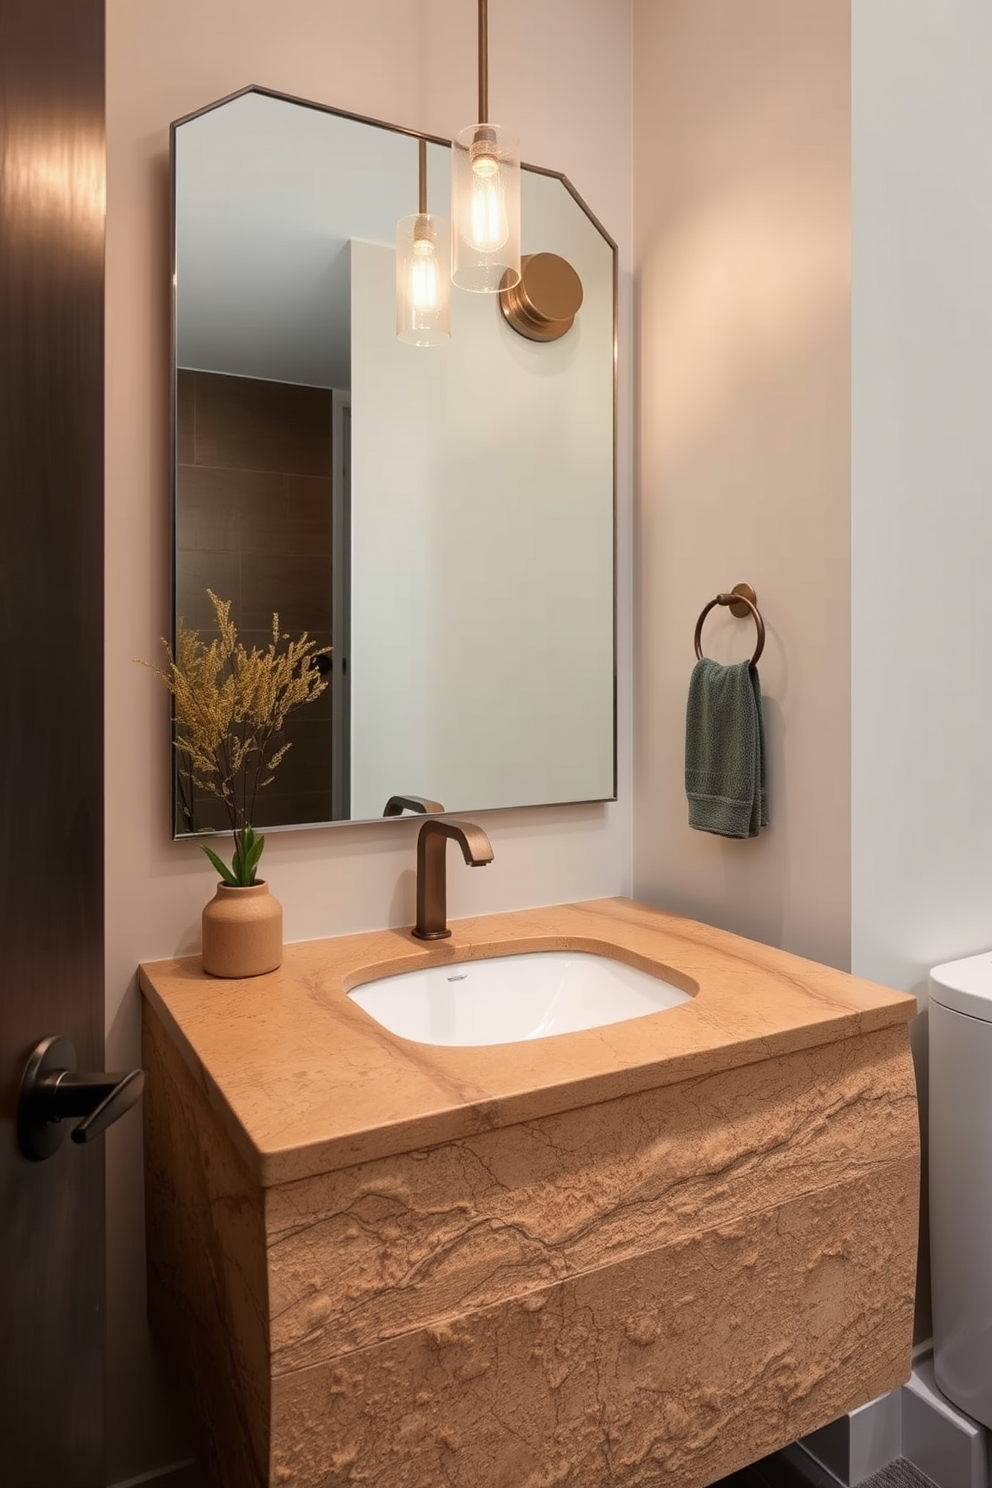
(412, 62)
(922, 474)
(742, 252)
(483, 464)
(921, 480)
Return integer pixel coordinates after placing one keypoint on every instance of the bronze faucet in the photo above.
(432, 844)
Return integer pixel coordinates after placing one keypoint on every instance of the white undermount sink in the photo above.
(505, 999)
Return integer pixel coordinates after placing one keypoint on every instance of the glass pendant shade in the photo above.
(485, 209)
(423, 286)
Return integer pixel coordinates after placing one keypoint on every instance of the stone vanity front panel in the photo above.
(652, 1288)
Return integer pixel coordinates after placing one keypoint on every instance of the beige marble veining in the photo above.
(306, 1081)
(365, 1253)
(634, 1257)
(665, 1371)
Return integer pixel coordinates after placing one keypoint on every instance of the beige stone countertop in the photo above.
(306, 1082)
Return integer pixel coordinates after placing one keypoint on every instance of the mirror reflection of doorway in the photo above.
(341, 607)
(255, 522)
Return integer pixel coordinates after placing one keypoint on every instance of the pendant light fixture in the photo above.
(485, 194)
(423, 289)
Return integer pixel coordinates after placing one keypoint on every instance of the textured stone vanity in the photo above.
(639, 1255)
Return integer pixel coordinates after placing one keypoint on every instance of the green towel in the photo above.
(725, 750)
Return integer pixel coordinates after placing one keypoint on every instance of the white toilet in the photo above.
(960, 1020)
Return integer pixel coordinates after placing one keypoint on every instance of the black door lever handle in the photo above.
(100, 1099)
(53, 1093)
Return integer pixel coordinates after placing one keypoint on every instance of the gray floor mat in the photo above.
(898, 1474)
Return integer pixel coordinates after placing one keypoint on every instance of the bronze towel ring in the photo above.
(742, 601)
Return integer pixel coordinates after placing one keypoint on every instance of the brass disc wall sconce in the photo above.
(544, 302)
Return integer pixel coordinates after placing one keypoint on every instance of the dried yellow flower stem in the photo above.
(230, 706)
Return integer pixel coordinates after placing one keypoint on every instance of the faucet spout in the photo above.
(432, 911)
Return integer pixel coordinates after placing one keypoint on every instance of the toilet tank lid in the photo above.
(964, 986)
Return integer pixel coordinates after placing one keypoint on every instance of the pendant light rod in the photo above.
(485, 193)
(423, 257)
(483, 61)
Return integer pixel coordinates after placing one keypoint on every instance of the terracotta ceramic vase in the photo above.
(242, 931)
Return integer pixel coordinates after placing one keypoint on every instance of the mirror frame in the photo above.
(431, 139)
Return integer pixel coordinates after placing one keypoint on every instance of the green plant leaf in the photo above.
(247, 851)
(254, 852)
(226, 874)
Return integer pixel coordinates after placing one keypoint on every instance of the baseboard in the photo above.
(942, 1441)
(860, 1443)
(808, 1467)
(177, 1475)
(914, 1422)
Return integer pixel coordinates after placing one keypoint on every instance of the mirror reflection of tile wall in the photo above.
(253, 517)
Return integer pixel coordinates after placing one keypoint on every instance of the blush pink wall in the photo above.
(742, 257)
(411, 62)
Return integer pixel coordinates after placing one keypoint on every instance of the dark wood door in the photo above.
(51, 712)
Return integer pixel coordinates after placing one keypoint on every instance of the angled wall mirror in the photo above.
(440, 520)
